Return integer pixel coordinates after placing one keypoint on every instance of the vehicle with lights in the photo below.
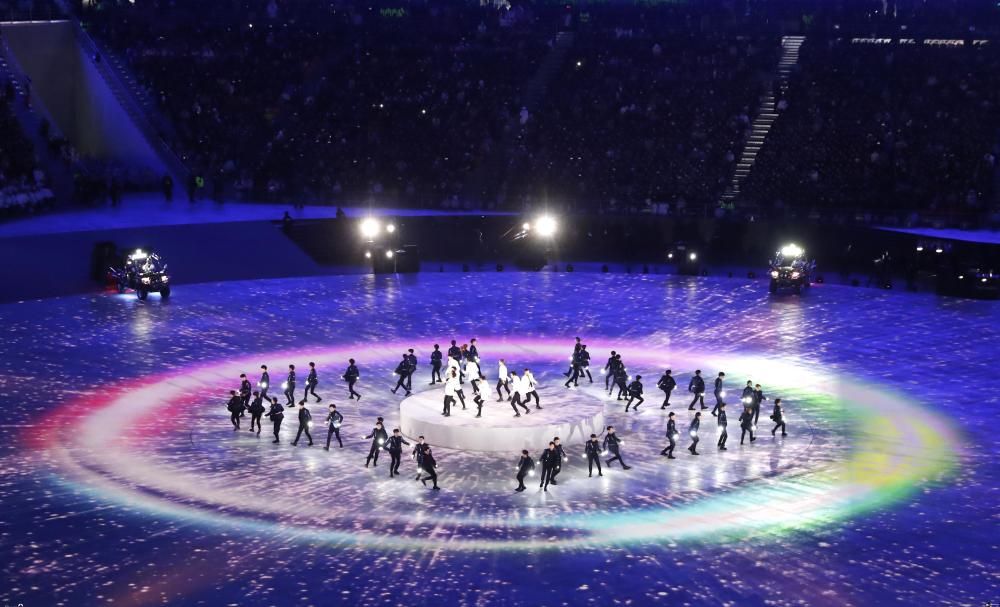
(144, 272)
(969, 282)
(790, 269)
(685, 258)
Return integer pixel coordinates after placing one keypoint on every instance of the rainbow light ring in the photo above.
(99, 460)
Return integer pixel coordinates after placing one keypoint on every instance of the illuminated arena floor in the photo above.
(124, 483)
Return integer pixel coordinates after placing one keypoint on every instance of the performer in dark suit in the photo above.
(276, 414)
(667, 384)
(333, 421)
(524, 467)
(305, 420)
(593, 450)
(778, 417)
(671, 436)
(395, 448)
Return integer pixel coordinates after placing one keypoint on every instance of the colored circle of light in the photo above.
(102, 460)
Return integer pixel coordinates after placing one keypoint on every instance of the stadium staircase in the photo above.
(766, 116)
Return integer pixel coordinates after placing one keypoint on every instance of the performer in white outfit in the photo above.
(530, 385)
(502, 381)
(475, 375)
(519, 388)
(450, 385)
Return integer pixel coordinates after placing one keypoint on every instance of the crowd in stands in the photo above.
(279, 100)
(891, 131)
(642, 112)
(649, 108)
(22, 182)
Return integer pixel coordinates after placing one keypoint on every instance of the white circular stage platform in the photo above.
(572, 415)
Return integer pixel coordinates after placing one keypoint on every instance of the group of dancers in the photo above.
(463, 363)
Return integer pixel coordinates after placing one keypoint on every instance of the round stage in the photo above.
(572, 415)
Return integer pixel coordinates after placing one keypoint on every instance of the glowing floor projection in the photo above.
(127, 483)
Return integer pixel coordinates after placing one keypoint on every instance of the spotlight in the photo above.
(792, 250)
(920, 248)
(939, 250)
(545, 226)
(390, 228)
(526, 226)
(370, 227)
(388, 254)
(693, 256)
(368, 254)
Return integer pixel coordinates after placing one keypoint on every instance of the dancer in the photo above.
(276, 414)
(289, 387)
(524, 467)
(572, 359)
(402, 372)
(671, 436)
(305, 420)
(576, 367)
(256, 411)
(559, 461)
(430, 466)
(463, 356)
(621, 378)
(311, 382)
(585, 363)
(667, 384)
(746, 424)
(411, 358)
(478, 399)
(549, 459)
(517, 385)
(378, 438)
(747, 397)
(475, 374)
(235, 408)
(503, 381)
(351, 376)
(593, 451)
(697, 387)
(245, 390)
(613, 444)
(333, 421)
(531, 385)
(778, 417)
(395, 448)
(436, 357)
(473, 350)
(723, 422)
(419, 450)
(450, 385)
(693, 431)
(454, 351)
(718, 392)
(634, 392)
(264, 381)
(758, 397)
(609, 371)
